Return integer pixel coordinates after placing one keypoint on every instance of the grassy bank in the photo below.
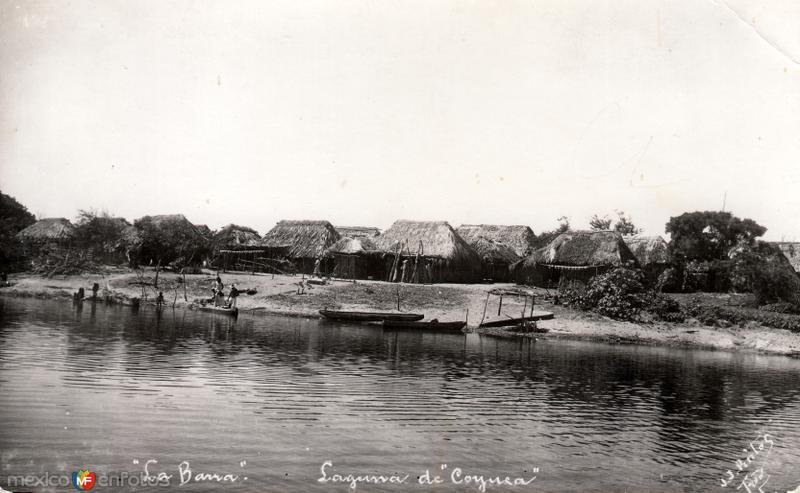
(447, 302)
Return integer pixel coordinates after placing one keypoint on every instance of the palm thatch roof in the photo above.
(519, 238)
(358, 231)
(492, 251)
(129, 236)
(790, 250)
(353, 246)
(171, 220)
(304, 239)
(584, 249)
(436, 239)
(49, 229)
(648, 250)
(169, 225)
(204, 230)
(233, 236)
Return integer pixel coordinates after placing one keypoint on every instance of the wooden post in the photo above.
(533, 300)
(485, 304)
(500, 306)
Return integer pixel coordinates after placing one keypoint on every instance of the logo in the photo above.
(83, 480)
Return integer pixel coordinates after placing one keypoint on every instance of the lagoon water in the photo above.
(272, 399)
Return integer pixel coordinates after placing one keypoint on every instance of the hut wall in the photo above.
(545, 276)
(357, 266)
(496, 271)
(430, 270)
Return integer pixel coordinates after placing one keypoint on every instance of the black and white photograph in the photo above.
(519, 246)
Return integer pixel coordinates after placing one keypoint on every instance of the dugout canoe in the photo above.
(222, 310)
(351, 316)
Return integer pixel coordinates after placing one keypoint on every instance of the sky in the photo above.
(362, 112)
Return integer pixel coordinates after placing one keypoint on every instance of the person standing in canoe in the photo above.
(233, 295)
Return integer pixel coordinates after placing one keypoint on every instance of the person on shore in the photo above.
(317, 271)
(95, 288)
(160, 299)
(234, 293)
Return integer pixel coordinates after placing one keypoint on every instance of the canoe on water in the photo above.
(507, 322)
(222, 310)
(351, 316)
(429, 325)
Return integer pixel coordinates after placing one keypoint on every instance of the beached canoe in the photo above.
(350, 316)
(222, 310)
(428, 325)
(507, 322)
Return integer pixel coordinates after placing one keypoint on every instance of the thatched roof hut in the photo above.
(648, 250)
(305, 241)
(353, 246)
(790, 250)
(455, 260)
(358, 258)
(358, 231)
(49, 230)
(517, 237)
(585, 249)
(235, 237)
(492, 251)
(496, 258)
(574, 256)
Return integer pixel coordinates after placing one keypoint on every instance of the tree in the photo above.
(546, 237)
(710, 235)
(14, 217)
(623, 226)
(598, 223)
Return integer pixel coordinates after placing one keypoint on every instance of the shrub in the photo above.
(621, 294)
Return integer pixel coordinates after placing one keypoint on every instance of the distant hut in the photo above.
(171, 238)
(431, 251)
(235, 237)
(790, 250)
(108, 240)
(304, 241)
(50, 236)
(237, 247)
(574, 257)
(496, 259)
(652, 253)
(357, 258)
(357, 231)
(519, 238)
(499, 246)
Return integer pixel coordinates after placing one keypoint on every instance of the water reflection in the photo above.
(287, 393)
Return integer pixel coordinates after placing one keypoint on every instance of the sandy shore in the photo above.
(446, 302)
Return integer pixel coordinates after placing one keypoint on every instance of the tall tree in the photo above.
(710, 235)
(14, 217)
